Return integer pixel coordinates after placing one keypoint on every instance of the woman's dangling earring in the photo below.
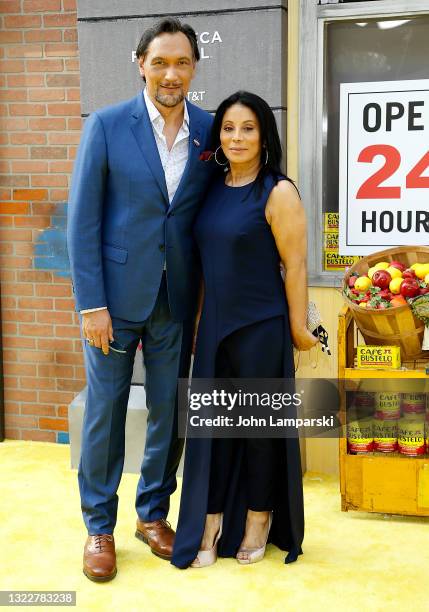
(216, 160)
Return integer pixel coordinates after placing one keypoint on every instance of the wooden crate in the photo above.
(378, 482)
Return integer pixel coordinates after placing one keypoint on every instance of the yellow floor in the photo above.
(351, 561)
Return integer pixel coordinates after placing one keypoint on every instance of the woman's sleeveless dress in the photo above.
(243, 285)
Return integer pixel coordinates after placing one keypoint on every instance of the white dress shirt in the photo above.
(173, 161)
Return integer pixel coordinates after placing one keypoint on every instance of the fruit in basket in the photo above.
(394, 272)
(395, 284)
(409, 273)
(381, 278)
(421, 269)
(410, 287)
(364, 297)
(385, 294)
(398, 264)
(387, 284)
(363, 283)
(398, 300)
(371, 272)
(352, 279)
(388, 316)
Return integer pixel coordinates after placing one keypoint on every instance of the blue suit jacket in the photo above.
(121, 228)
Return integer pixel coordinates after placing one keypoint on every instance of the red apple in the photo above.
(424, 290)
(352, 280)
(410, 287)
(398, 264)
(409, 273)
(381, 278)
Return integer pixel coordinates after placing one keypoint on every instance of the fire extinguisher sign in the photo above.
(384, 165)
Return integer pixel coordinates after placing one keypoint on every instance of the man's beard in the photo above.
(169, 100)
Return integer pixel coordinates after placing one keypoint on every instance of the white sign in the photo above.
(384, 165)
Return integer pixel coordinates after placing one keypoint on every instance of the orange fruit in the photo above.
(398, 300)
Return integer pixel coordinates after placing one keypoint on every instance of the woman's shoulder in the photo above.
(282, 186)
(284, 199)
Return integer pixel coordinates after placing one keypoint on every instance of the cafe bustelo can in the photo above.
(411, 436)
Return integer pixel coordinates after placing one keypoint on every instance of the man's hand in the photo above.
(97, 329)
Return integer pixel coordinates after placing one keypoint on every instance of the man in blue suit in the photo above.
(137, 185)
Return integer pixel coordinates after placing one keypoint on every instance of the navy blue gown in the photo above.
(243, 285)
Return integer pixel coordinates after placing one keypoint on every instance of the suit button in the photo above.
(161, 247)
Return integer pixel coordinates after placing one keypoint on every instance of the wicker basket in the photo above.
(396, 326)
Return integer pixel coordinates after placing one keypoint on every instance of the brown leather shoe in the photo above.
(99, 558)
(159, 535)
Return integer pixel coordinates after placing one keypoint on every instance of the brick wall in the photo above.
(40, 129)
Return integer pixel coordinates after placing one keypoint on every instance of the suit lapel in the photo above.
(141, 127)
(194, 152)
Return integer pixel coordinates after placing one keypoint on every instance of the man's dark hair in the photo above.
(271, 150)
(169, 25)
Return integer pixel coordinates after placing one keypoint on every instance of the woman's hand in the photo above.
(303, 339)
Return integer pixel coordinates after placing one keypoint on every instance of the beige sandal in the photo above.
(208, 557)
(255, 554)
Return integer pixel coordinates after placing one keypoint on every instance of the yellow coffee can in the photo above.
(385, 435)
(411, 436)
(387, 405)
(413, 403)
(360, 439)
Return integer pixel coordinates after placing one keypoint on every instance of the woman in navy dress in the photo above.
(238, 494)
